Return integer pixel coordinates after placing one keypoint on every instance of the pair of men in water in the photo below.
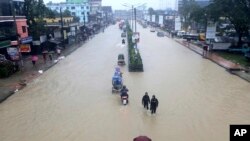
(153, 103)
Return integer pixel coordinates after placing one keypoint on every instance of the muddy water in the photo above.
(72, 101)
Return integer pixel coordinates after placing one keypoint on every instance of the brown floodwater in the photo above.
(72, 101)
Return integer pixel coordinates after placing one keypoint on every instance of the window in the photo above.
(82, 13)
(87, 7)
(24, 29)
(73, 7)
(73, 13)
(82, 7)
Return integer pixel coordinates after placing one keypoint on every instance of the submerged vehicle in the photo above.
(124, 100)
(121, 59)
(117, 83)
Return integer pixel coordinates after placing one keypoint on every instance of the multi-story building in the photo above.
(79, 8)
(107, 14)
(95, 6)
(122, 14)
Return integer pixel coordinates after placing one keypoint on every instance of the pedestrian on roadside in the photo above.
(145, 100)
(154, 104)
(58, 51)
(44, 58)
(34, 58)
(205, 51)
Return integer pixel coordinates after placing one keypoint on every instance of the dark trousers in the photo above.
(146, 105)
(153, 110)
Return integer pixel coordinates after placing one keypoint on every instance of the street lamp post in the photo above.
(17, 36)
(135, 19)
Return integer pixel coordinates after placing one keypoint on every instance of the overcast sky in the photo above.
(117, 4)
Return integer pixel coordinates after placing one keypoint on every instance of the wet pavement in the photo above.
(18, 81)
(231, 67)
(73, 100)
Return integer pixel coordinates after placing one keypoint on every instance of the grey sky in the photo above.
(117, 4)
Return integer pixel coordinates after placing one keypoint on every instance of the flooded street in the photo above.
(72, 101)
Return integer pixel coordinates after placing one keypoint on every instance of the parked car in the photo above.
(160, 34)
(123, 34)
(7, 67)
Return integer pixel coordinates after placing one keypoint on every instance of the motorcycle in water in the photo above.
(124, 100)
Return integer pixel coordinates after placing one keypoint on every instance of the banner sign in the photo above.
(211, 30)
(26, 40)
(153, 18)
(13, 53)
(177, 23)
(160, 19)
(24, 48)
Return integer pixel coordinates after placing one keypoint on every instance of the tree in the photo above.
(151, 11)
(35, 11)
(76, 19)
(189, 7)
(66, 13)
(237, 11)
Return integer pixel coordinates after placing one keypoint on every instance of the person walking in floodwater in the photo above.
(205, 51)
(154, 104)
(145, 100)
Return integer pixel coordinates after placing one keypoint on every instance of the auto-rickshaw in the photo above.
(121, 60)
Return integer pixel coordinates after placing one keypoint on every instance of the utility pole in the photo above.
(132, 18)
(61, 23)
(135, 19)
(17, 35)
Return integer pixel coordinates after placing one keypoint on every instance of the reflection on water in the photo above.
(72, 101)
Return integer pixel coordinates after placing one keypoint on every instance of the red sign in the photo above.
(24, 48)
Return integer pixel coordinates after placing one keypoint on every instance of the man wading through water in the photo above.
(145, 100)
(154, 104)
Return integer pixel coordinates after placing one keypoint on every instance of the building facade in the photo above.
(80, 10)
(6, 9)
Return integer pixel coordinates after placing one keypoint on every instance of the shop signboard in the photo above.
(13, 53)
(24, 48)
(211, 30)
(26, 40)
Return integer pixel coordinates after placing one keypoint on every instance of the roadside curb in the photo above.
(233, 71)
(6, 92)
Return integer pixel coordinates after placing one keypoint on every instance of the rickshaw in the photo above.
(121, 60)
(117, 84)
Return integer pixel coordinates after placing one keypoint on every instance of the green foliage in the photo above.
(236, 11)
(35, 11)
(66, 13)
(189, 7)
(135, 60)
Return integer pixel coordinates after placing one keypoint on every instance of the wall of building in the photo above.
(79, 10)
(22, 28)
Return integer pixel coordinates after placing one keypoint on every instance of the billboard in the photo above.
(177, 25)
(211, 30)
(160, 19)
(153, 18)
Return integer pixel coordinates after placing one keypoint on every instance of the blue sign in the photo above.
(26, 40)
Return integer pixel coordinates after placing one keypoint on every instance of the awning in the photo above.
(4, 44)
